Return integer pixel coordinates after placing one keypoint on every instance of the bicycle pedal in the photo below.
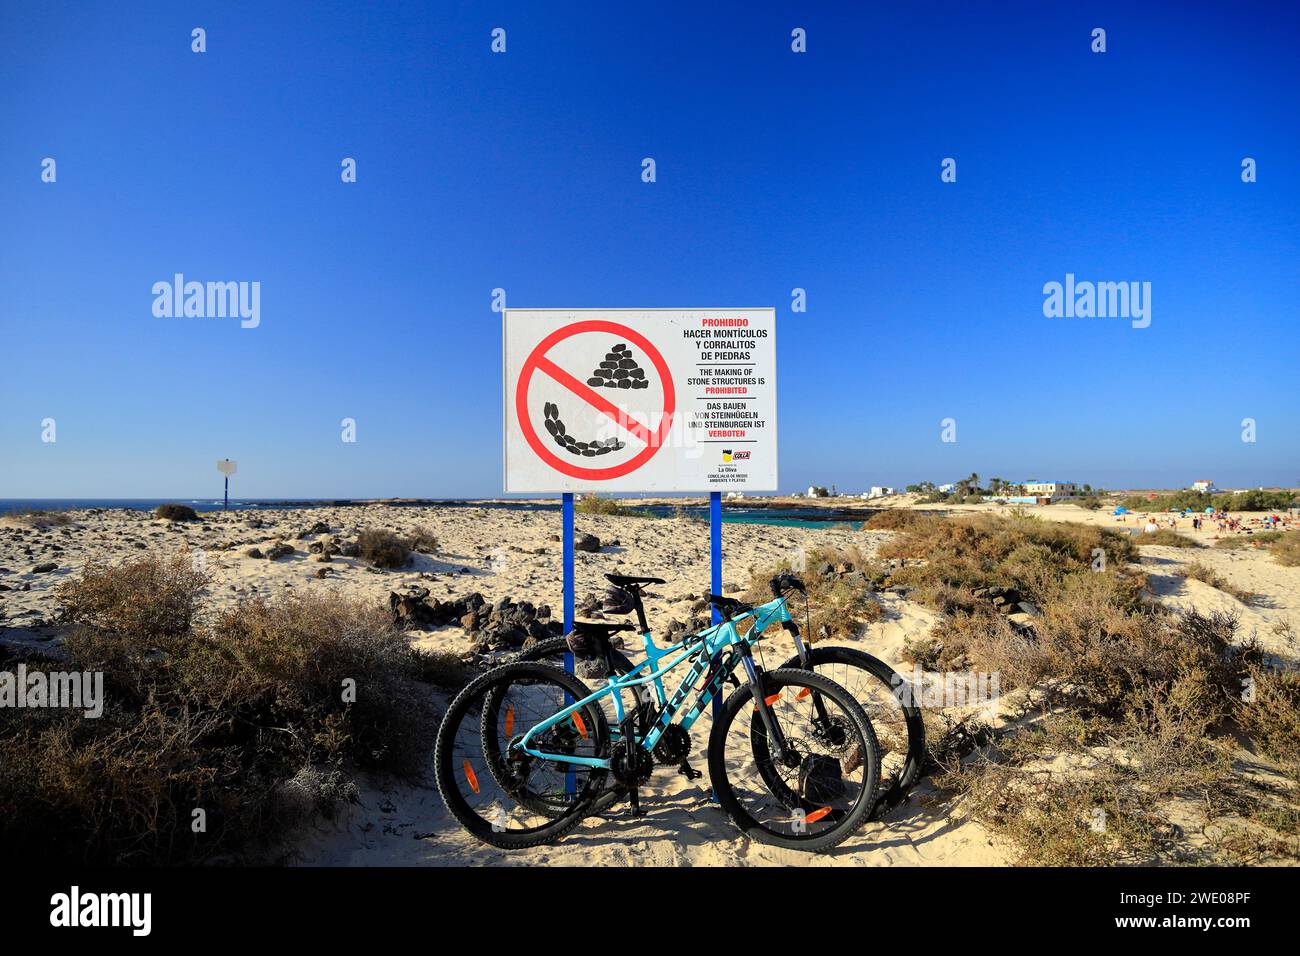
(689, 772)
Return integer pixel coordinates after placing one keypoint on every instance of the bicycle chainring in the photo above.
(673, 747)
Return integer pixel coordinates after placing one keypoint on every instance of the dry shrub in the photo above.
(991, 550)
(1286, 549)
(245, 717)
(840, 583)
(1064, 805)
(1270, 714)
(147, 599)
(1134, 704)
(176, 513)
(36, 518)
(383, 548)
(423, 541)
(1146, 697)
(897, 519)
(1215, 580)
(442, 668)
(840, 609)
(600, 505)
(1165, 538)
(1256, 539)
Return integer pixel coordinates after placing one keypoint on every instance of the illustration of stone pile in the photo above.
(586, 449)
(619, 370)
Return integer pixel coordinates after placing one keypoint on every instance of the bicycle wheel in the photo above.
(551, 650)
(891, 708)
(825, 787)
(501, 795)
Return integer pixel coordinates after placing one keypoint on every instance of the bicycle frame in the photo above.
(705, 646)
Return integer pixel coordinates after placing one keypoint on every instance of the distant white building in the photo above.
(1205, 486)
(1051, 489)
(879, 491)
(949, 487)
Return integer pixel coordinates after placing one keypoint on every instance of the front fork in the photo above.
(776, 740)
(805, 663)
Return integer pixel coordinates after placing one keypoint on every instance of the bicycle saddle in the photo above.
(628, 580)
(600, 629)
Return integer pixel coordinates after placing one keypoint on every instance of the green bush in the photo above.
(1254, 500)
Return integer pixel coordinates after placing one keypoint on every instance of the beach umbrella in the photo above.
(1209, 511)
(1121, 511)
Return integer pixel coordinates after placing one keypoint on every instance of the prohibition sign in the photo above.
(537, 361)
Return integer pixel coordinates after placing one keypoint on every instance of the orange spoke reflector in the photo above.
(803, 693)
(816, 815)
(510, 720)
(471, 776)
(578, 722)
(772, 699)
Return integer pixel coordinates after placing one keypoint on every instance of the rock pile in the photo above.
(505, 624)
(1019, 613)
(619, 370)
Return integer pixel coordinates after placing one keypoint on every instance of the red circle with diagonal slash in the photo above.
(537, 361)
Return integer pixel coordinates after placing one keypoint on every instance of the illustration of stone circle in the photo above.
(585, 449)
(618, 370)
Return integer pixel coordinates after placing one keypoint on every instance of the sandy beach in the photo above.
(499, 554)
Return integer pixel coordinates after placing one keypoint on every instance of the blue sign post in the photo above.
(567, 535)
(227, 468)
(715, 564)
(570, 781)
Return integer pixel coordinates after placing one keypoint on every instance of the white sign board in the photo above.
(652, 400)
(227, 467)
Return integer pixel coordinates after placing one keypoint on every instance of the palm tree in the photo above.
(974, 480)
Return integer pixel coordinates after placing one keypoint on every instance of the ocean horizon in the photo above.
(734, 512)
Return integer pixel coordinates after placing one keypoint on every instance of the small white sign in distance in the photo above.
(653, 400)
(227, 467)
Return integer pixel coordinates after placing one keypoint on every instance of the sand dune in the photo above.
(517, 554)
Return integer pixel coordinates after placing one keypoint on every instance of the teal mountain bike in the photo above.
(885, 695)
(526, 751)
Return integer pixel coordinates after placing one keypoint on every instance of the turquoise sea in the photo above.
(731, 513)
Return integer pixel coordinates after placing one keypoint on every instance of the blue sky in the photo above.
(522, 170)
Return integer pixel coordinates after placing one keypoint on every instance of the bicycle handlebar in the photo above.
(786, 582)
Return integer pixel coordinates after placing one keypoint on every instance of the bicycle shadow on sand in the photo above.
(679, 827)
